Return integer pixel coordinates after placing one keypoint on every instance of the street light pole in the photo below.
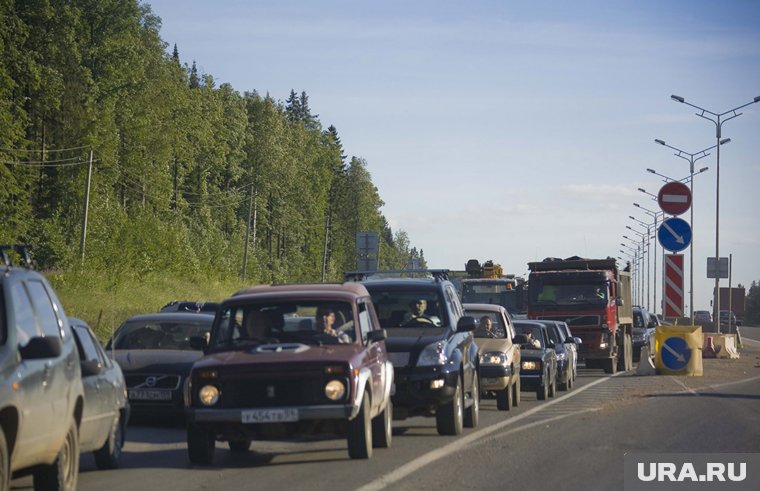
(718, 127)
(648, 253)
(692, 157)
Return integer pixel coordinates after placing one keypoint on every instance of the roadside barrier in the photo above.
(678, 350)
(723, 346)
(645, 366)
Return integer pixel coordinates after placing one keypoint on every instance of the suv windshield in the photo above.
(314, 322)
(408, 308)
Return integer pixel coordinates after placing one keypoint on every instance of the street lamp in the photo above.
(655, 215)
(653, 196)
(640, 262)
(691, 158)
(647, 242)
(716, 119)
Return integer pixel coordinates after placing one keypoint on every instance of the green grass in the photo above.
(105, 301)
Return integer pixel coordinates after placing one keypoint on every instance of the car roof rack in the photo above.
(436, 274)
(20, 249)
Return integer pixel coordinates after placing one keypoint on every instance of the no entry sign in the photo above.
(674, 198)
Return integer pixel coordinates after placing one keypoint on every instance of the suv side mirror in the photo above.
(198, 343)
(41, 347)
(377, 335)
(520, 339)
(466, 323)
(90, 367)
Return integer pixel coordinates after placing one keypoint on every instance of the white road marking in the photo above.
(456, 446)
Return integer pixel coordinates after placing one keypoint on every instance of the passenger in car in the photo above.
(325, 322)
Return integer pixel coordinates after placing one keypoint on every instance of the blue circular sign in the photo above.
(675, 353)
(674, 234)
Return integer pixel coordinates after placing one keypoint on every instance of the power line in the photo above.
(51, 163)
(43, 151)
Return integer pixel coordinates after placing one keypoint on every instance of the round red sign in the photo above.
(674, 198)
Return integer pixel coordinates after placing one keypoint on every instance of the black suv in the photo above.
(431, 346)
(41, 395)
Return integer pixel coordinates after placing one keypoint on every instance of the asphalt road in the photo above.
(575, 441)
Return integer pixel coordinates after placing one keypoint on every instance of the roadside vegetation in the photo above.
(186, 174)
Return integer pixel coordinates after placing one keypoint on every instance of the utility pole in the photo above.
(247, 234)
(86, 207)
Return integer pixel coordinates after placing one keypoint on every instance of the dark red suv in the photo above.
(282, 357)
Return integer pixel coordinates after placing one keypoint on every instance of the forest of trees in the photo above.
(179, 163)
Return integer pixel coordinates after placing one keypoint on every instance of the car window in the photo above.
(26, 322)
(88, 350)
(159, 334)
(397, 308)
(533, 333)
(497, 329)
(365, 321)
(46, 311)
(552, 334)
(303, 321)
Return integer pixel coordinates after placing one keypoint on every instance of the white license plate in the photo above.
(150, 395)
(270, 415)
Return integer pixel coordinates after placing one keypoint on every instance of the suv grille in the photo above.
(262, 387)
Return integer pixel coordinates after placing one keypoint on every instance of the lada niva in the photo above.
(289, 360)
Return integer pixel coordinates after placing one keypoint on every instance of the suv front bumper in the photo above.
(416, 387)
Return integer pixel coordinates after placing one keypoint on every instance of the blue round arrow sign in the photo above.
(674, 234)
(675, 353)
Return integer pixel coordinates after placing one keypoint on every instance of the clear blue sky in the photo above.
(509, 130)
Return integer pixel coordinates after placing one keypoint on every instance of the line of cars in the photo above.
(274, 361)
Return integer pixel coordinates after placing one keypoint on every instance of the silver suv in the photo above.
(41, 395)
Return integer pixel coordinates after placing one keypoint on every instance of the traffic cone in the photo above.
(709, 350)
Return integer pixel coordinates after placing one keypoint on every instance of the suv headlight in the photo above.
(493, 358)
(530, 365)
(561, 356)
(432, 354)
(208, 395)
(335, 390)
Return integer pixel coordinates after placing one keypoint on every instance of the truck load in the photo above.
(594, 297)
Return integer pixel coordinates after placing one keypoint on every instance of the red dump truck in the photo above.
(594, 297)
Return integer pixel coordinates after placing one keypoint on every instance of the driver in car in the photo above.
(419, 316)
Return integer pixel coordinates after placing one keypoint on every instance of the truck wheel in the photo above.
(382, 427)
(360, 433)
(107, 456)
(472, 413)
(449, 416)
(201, 444)
(610, 365)
(5, 463)
(516, 395)
(239, 446)
(504, 398)
(62, 474)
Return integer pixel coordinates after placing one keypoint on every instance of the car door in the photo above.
(374, 354)
(41, 383)
(461, 341)
(96, 415)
